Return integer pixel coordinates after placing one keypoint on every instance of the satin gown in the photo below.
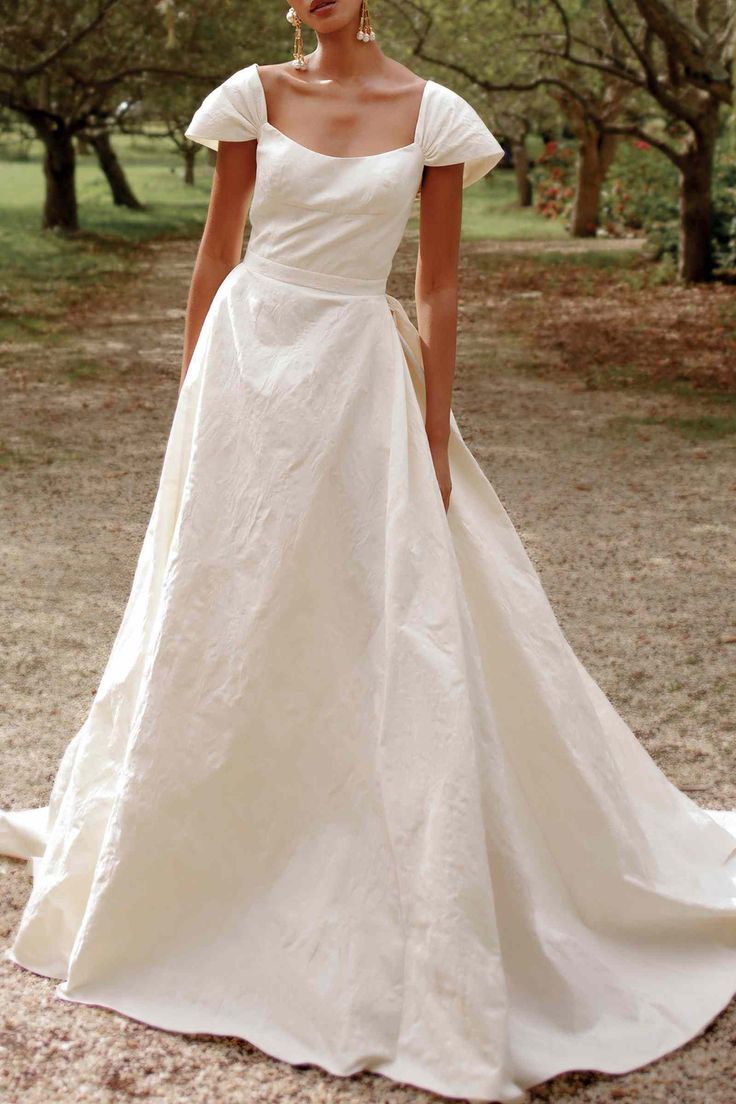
(344, 790)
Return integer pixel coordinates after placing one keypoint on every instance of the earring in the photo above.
(365, 31)
(299, 61)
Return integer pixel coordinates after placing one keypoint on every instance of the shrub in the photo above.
(724, 213)
(639, 196)
(553, 180)
(640, 193)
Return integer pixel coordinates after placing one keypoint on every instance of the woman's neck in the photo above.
(341, 57)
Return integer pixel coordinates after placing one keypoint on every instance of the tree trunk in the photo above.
(122, 193)
(190, 156)
(60, 206)
(521, 171)
(595, 154)
(695, 259)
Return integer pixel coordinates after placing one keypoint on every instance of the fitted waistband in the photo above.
(324, 281)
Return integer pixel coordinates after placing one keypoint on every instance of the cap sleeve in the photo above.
(452, 132)
(232, 112)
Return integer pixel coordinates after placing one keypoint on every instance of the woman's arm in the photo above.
(436, 297)
(222, 239)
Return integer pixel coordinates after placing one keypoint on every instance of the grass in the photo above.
(84, 370)
(490, 211)
(45, 274)
(701, 427)
(582, 272)
(627, 377)
(155, 172)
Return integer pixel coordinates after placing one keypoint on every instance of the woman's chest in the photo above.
(380, 184)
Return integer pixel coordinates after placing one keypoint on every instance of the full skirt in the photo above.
(345, 791)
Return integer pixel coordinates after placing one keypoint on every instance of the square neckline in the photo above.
(338, 156)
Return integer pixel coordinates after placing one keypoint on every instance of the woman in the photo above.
(344, 790)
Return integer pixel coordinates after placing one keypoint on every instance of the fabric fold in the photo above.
(344, 790)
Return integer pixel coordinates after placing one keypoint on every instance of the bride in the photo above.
(344, 790)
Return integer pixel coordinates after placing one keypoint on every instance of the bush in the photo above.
(724, 213)
(640, 195)
(15, 146)
(553, 180)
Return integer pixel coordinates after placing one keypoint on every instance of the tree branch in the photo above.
(63, 47)
(635, 131)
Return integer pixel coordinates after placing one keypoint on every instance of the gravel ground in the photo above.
(630, 525)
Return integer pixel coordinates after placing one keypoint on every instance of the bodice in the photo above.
(339, 216)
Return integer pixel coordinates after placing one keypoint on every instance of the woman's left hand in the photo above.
(441, 461)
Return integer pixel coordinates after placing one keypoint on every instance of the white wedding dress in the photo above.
(345, 791)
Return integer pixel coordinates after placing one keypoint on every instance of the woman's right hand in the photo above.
(441, 460)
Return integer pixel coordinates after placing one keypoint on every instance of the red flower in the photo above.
(642, 145)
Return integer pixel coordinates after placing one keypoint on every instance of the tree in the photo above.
(678, 58)
(658, 70)
(237, 37)
(61, 62)
(591, 121)
(66, 64)
(122, 193)
(518, 118)
(518, 126)
(516, 75)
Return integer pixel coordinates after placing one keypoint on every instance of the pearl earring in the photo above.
(365, 31)
(299, 61)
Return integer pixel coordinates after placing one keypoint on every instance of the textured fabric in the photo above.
(451, 131)
(231, 112)
(448, 130)
(344, 790)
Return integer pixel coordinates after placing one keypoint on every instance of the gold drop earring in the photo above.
(365, 31)
(299, 61)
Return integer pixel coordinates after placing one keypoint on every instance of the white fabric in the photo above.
(448, 131)
(344, 790)
(231, 112)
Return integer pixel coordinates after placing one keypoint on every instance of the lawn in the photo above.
(44, 274)
(490, 211)
(542, 299)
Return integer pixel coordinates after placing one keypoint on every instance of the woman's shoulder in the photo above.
(244, 79)
(241, 86)
(273, 74)
(451, 130)
(233, 111)
(444, 98)
(401, 78)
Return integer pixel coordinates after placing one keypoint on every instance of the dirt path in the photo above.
(630, 524)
